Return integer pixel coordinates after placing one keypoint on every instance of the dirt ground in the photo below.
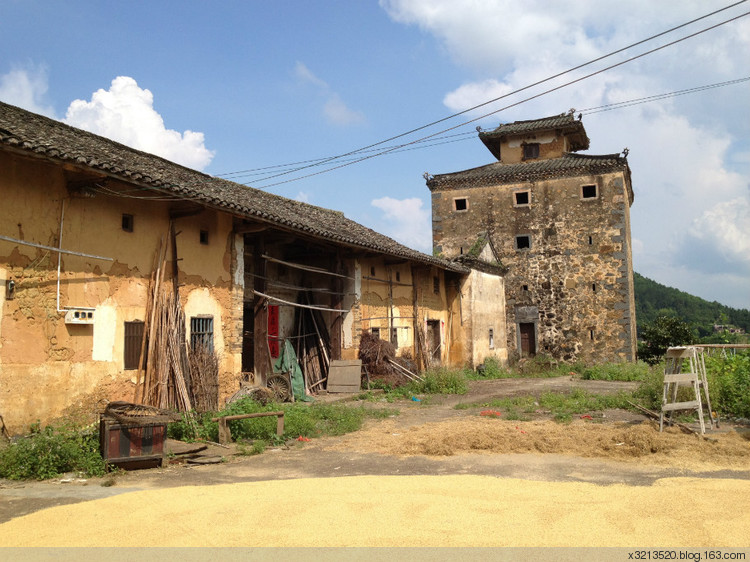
(431, 463)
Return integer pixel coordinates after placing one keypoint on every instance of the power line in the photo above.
(658, 97)
(366, 148)
(319, 161)
(470, 135)
(386, 151)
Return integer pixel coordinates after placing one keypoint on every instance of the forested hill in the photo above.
(653, 299)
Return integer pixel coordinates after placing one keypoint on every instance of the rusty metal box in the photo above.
(132, 445)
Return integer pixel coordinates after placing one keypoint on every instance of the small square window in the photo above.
(523, 242)
(436, 285)
(522, 198)
(375, 332)
(461, 204)
(531, 151)
(588, 192)
(394, 337)
(525, 287)
(204, 237)
(127, 223)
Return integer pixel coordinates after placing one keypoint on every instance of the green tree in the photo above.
(664, 332)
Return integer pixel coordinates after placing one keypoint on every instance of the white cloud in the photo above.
(335, 110)
(125, 113)
(302, 197)
(689, 219)
(26, 88)
(407, 221)
(305, 74)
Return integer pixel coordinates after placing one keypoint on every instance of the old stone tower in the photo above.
(560, 223)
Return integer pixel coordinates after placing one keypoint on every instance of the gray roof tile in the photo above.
(52, 139)
(532, 170)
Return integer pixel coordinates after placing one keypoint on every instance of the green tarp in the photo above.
(287, 363)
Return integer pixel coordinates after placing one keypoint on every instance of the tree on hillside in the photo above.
(664, 332)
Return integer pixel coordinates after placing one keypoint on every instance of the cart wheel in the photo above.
(279, 387)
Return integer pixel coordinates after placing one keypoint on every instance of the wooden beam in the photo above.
(261, 356)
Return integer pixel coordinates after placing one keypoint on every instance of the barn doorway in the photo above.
(528, 339)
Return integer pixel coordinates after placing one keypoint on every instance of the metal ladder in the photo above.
(695, 376)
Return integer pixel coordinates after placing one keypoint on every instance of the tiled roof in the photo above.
(562, 121)
(566, 123)
(37, 135)
(533, 170)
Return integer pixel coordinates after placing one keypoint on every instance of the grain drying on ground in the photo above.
(619, 441)
(401, 511)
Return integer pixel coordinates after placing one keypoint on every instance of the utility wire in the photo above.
(657, 97)
(319, 161)
(565, 85)
(417, 129)
(470, 135)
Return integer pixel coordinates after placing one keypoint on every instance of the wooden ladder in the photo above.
(695, 376)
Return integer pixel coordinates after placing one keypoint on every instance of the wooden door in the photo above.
(528, 339)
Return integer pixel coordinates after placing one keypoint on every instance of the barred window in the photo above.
(202, 332)
(132, 348)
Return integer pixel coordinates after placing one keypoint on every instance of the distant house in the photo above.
(89, 228)
(560, 223)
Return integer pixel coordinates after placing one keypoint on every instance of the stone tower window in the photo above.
(461, 204)
(522, 198)
(523, 242)
(588, 192)
(531, 151)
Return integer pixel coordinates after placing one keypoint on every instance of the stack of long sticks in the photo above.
(166, 362)
(312, 347)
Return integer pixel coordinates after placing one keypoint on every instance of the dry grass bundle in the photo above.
(378, 357)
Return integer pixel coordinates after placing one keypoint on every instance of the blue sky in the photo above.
(232, 86)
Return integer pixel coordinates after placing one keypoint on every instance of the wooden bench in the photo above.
(225, 435)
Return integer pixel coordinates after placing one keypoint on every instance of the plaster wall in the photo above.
(484, 311)
(49, 366)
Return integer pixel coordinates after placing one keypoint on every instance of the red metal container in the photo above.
(132, 445)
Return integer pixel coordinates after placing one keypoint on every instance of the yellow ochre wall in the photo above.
(49, 368)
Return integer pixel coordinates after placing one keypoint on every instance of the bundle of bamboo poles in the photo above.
(168, 367)
(164, 357)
